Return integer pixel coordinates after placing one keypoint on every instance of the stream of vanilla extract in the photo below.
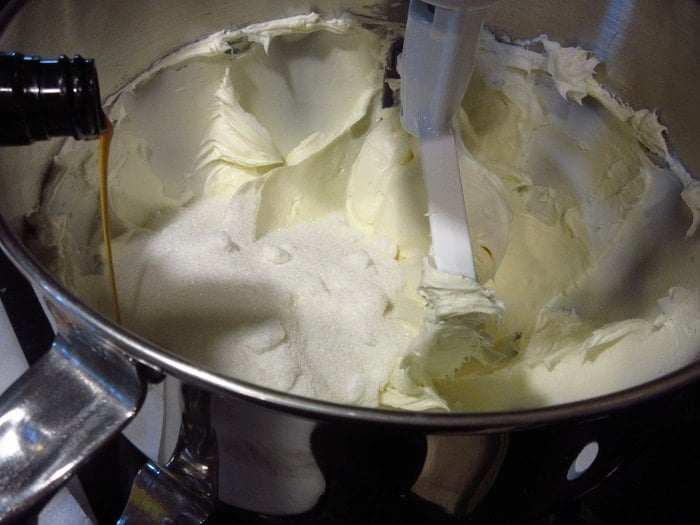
(105, 141)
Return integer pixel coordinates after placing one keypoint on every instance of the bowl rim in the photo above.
(162, 360)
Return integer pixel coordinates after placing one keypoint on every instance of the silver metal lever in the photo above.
(58, 414)
(183, 491)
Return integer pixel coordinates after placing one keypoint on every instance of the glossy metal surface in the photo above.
(186, 488)
(159, 496)
(58, 414)
(283, 456)
(300, 468)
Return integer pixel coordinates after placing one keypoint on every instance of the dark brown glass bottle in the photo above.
(42, 98)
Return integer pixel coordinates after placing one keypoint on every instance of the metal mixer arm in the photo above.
(58, 414)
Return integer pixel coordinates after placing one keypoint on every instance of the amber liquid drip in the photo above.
(105, 141)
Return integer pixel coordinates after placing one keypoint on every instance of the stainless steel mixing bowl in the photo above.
(281, 456)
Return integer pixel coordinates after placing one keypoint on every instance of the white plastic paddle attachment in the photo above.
(435, 66)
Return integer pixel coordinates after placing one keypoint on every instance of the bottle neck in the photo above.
(43, 98)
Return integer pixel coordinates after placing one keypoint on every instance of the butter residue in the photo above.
(269, 224)
(458, 317)
(587, 206)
